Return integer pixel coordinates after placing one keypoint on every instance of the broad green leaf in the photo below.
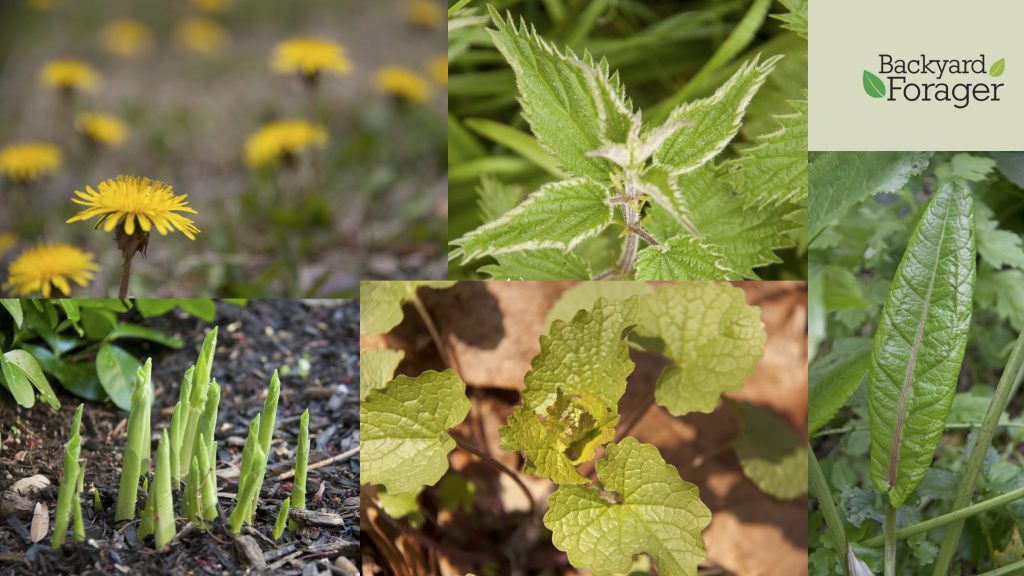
(642, 507)
(78, 378)
(116, 369)
(539, 264)
(583, 295)
(17, 383)
(380, 303)
(201, 308)
(13, 307)
(714, 120)
(70, 309)
(23, 362)
(683, 258)
(125, 330)
(523, 144)
(573, 105)
(376, 369)
(838, 180)
(834, 378)
(796, 18)
(404, 443)
(559, 215)
(587, 355)
(150, 307)
(919, 343)
(774, 171)
(715, 338)
(771, 453)
(873, 85)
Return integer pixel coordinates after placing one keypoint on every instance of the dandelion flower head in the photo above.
(47, 266)
(439, 70)
(281, 139)
(310, 56)
(403, 83)
(29, 161)
(135, 200)
(127, 38)
(425, 13)
(201, 36)
(70, 75)
(100, 128)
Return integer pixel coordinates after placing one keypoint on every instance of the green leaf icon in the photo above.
(873, 85)
(997, 69)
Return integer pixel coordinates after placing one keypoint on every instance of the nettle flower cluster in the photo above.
(185, 463)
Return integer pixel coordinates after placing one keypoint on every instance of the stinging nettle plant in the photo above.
(683, 215)
(569, 410)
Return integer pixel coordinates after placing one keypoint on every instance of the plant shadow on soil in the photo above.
(254, 341)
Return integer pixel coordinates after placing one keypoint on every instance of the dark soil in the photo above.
(253, 342)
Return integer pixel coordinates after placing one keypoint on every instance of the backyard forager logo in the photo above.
(923, 79)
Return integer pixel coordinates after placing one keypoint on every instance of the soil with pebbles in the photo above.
(313, 344)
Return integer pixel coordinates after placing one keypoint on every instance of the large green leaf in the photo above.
(642, 507)
(380, 303)
(714, 120)
(919, 343)
(834, 378)
(839, 180)
(404, 443)
(558, 215)
(116, 368)
(24, 362)
(13, 307)
(17, 383)
(376, 369)
(715, 338)
(573, 105)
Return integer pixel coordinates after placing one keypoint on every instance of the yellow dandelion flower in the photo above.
(425, 13)
(439, 70)
(29, 161)
(70, 75)
(282, 139)
(48, 266)
(133, 198)
(403, 83)
(210, 5)
(100, 128)
(7, 241)
(201, 36)
(309, 57)
(127, 38)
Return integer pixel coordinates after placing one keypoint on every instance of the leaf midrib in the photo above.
(897, 437)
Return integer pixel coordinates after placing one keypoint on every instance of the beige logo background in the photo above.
(846, 38)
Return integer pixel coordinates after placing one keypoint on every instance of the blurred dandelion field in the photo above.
(248, 148)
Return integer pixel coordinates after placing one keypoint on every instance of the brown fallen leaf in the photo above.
(40, 522)
(30, 486)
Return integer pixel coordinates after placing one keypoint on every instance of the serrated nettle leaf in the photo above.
(376, 369)
(572, 105)
(560, 215)
(771, 453)
(641, 507)
(380, 303)
(403, 427)
(834, 378)
(715, 119)
(919, 343)
(839, 180)
(539, 264)
(639, 148)
(683, 258)
(587, 355)
(584, 295)
(715, 338)
(774, 171)
(796, 17)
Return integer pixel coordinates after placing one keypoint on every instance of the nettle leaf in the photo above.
(573, 105)
(715, 338)
(559, 215)
(683, 258)
(380, 303)
(796, 17)
(834, 378)
(587, 355)
(376, 369)
(714, 121)
(641, 507)
(773, 455)
(919, 343)
(774, 171)
(842, 179)
(403, 430)
(542, 264)
(574, 428)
